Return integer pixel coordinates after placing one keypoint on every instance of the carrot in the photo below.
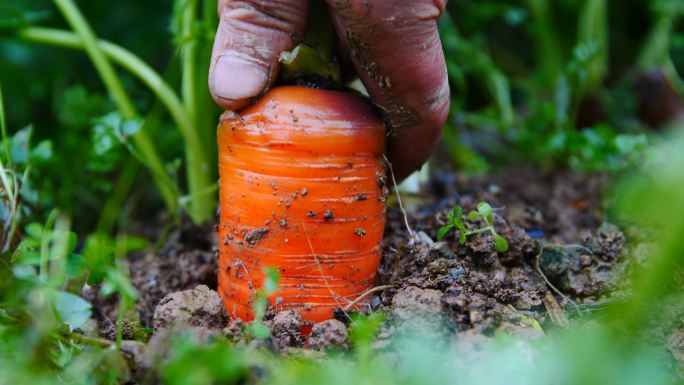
(302, 189)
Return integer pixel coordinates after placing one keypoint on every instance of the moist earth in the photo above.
(563, 258)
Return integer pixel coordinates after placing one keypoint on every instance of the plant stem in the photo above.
(593, 27)
(478, 231)
(112, 208)
(87, 340)
(150, 78)
(201, 207)
(3, 126)
(123, 307)
(45, 244)
(549, 57)
(113, 84)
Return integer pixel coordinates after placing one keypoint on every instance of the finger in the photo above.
(396, 52)
(250, 37)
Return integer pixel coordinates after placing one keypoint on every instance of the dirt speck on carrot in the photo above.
(254, 236)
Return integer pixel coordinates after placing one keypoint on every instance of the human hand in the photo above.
(394, 47)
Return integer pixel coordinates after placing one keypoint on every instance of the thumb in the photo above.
(250, 37)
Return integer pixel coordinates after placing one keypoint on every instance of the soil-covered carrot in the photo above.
(302, 190)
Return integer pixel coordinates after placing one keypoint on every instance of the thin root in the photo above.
(365, 294)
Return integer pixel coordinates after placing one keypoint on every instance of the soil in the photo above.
(561, 257)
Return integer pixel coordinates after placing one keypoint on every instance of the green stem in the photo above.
(593, 27)
(109, 77)
(478, 231)
(45, 244)
(201, 208)
(656, 52)
(149, 77)
(87, 340)
(3, 126)
(76, 20)
(123, 308)
(131, 63)
(113, 206)
(547, 44)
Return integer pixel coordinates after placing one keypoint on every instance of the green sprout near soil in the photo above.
(257, 328)
(455, 222)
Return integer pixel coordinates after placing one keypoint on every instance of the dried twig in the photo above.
(365, 294)
(396, 190)
(550, 285)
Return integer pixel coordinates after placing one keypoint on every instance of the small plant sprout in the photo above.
(257, 329)
(455, 222)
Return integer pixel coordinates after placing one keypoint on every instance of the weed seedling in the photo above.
(257, 328)
(455, 222)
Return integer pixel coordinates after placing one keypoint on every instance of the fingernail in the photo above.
(236, 78)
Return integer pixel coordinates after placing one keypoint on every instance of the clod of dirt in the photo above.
(285, 330)
(483, 249)
(411, 302)
(584, 271)
(135, 353)
(164, 340)
(200, 307)
(607, 242)
(186, 259)
(234, 329)
(328, 334)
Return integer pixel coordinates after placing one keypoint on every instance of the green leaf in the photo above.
(75, 265)
(472, 215)
(462, 237)
(485, 210)
(111, 130)
(500, 243)
(443, 231)
(364, 328)
(458, 214)
(72, 309)
(34, 231)
(117, 282)
(19, 148)
(42, 152)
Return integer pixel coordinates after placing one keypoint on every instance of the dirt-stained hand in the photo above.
(394, 46)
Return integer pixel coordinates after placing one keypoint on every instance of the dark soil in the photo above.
(560, 251)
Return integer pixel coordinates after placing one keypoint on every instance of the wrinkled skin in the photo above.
(394, 48)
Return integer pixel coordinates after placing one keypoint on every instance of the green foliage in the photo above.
(455, 221)
(529, 80)
(522, 74)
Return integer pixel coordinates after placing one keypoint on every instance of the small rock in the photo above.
(200, 307)
(328, 333)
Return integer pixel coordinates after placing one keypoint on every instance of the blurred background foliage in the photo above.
(90, 155)
(564, 84)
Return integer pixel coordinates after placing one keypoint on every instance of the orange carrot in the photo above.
(302, 189)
